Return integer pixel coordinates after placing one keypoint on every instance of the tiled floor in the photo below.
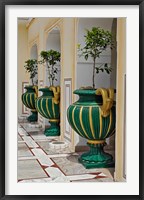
(39, 162)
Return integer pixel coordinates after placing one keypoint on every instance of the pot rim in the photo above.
(87, 91)
(45, 89)
(30, 86)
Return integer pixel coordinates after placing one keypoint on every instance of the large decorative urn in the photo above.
(93, 117)
(28, 99)
(48, 105)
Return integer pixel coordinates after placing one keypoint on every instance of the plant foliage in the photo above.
(97, 40)
(51, 58)
(31, 67)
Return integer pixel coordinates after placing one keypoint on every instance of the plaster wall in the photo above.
(85, 67)
(53, 42)
(22, 57)
(34, 55)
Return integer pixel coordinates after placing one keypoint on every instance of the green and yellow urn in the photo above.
(28, 99)
(93, 117)
(48, 105)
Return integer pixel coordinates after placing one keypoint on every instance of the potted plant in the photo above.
(48, 105)
(93, 115)
(29, 97)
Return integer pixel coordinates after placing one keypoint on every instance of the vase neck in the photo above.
(46, 92)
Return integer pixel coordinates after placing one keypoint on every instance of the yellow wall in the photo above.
(22, 57)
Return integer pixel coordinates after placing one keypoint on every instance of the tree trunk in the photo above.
(32, 81)
(52, 74)
(93, 74)
(48, 74)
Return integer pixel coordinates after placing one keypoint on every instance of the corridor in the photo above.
(41, 160)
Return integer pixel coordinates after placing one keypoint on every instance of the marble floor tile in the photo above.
(22, 132)
(22, 117)
(58, 155)
(19, 138)
(29, 141)
(109, 172)
(62, 179)
(21, 142)
(31, 129)
(94, 180)
(54, 172)
(105, 180)
(46, 180)
(42, 157)
(40, 137)
(34, 125)
(70, 165)
(36, 180)
(23, 150)
(27, 158)
(43, 163)
(19, 126)
(29, 169)
(81, 177)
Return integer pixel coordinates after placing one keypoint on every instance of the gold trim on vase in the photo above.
(33, 110)
(56, 92)
(108, 98)
(54, 120)
(96, 141)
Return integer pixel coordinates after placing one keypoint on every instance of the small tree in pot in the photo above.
(29, 97)
(92, 116)
(32, 67)
(97, 40)
(50, 58)
(48, 104)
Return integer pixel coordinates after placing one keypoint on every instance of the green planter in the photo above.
(93, 117)
(48, 106)
(28, 99)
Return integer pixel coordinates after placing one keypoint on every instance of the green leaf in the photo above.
(86, 56)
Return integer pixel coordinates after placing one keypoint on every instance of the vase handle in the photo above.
(108, 98)
(56, 92)
(36, 90)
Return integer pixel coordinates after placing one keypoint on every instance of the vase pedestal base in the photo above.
(53, 130)
(90, 165)
(33, 117)
(96, 158)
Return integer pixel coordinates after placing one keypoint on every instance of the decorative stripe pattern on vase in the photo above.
(47, 108)
(28, 100)
(88, 122)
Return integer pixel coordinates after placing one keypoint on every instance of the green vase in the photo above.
(28, 99)
(48, 105)
(93, 117)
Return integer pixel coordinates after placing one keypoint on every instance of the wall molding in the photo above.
(67, 102)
